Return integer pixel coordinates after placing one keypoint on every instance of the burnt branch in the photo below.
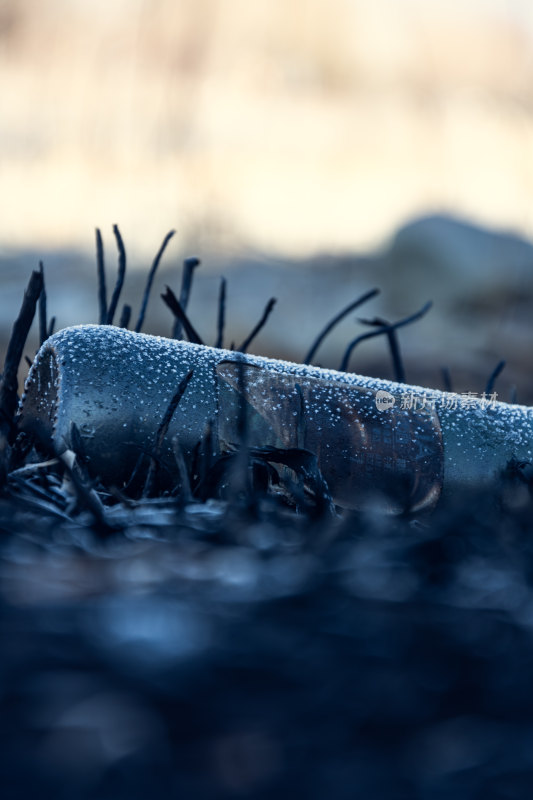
(43, 328)
(125, 316)
(102, 290)
(9, 381)
(150, 279)
(446, 379)
(162, 432)
(189, 265)
(394, 346)
(175, 306)
(335, 321)
(379, 331)
(266, 313)
(492, 377)
(120, 276)
(19, 334)
(221, 318)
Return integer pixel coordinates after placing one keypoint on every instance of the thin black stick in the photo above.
(446, 379)
(8, 381)
(175, 306)
(125, 316)
(185, 495)
(19, 334)
(335, 321)
(221, 319)
(241, 475)
(28, 360)
(378, 332)
(162, 432)
(266, 313)
(43, 328)
(189, 265)
(88, 498)
(397, 363)
(102, 290)
(120, 276)
(492, 377)
(52, 325)
(150, 279)
(394, 346)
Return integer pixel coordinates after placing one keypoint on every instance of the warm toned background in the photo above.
(270, 132)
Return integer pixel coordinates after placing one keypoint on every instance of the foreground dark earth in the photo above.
(215, 651)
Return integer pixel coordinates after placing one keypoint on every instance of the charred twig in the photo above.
(397, 364)
(136, 471)
(162, 432)
(51, 326)
(335, 321)
(20, 451)
(175, 306)
(43, 328)
(266, 313)
(9, 382)
(384, 329)
(150, 279)
(87, 496)
(302, 417)
(125, 316)
(189, 265)
(102, 290)
(446, 379)
(221, 318)
(242, 485)
(492, 377)
(185, 493)
(305, 465)
(120, 276)
(205, 462)
(76, 444)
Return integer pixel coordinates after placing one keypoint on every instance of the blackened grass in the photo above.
(189, 265)
(151, 274)
(241, 487)
(385, 329)
(335, 321)
(102, 290)
(221, 316)
(175, 306)
(390, 333)
(492, 377)
(43, 328)
(266, 313)
(162, 432)
(446, 379)
(121, 272)
(184, 495)
(125, 316)
(88, 498)
(9, 382)
(76, 444)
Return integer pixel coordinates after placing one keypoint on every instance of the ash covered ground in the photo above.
(260, 643)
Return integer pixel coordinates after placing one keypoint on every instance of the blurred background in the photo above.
(306, 150)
